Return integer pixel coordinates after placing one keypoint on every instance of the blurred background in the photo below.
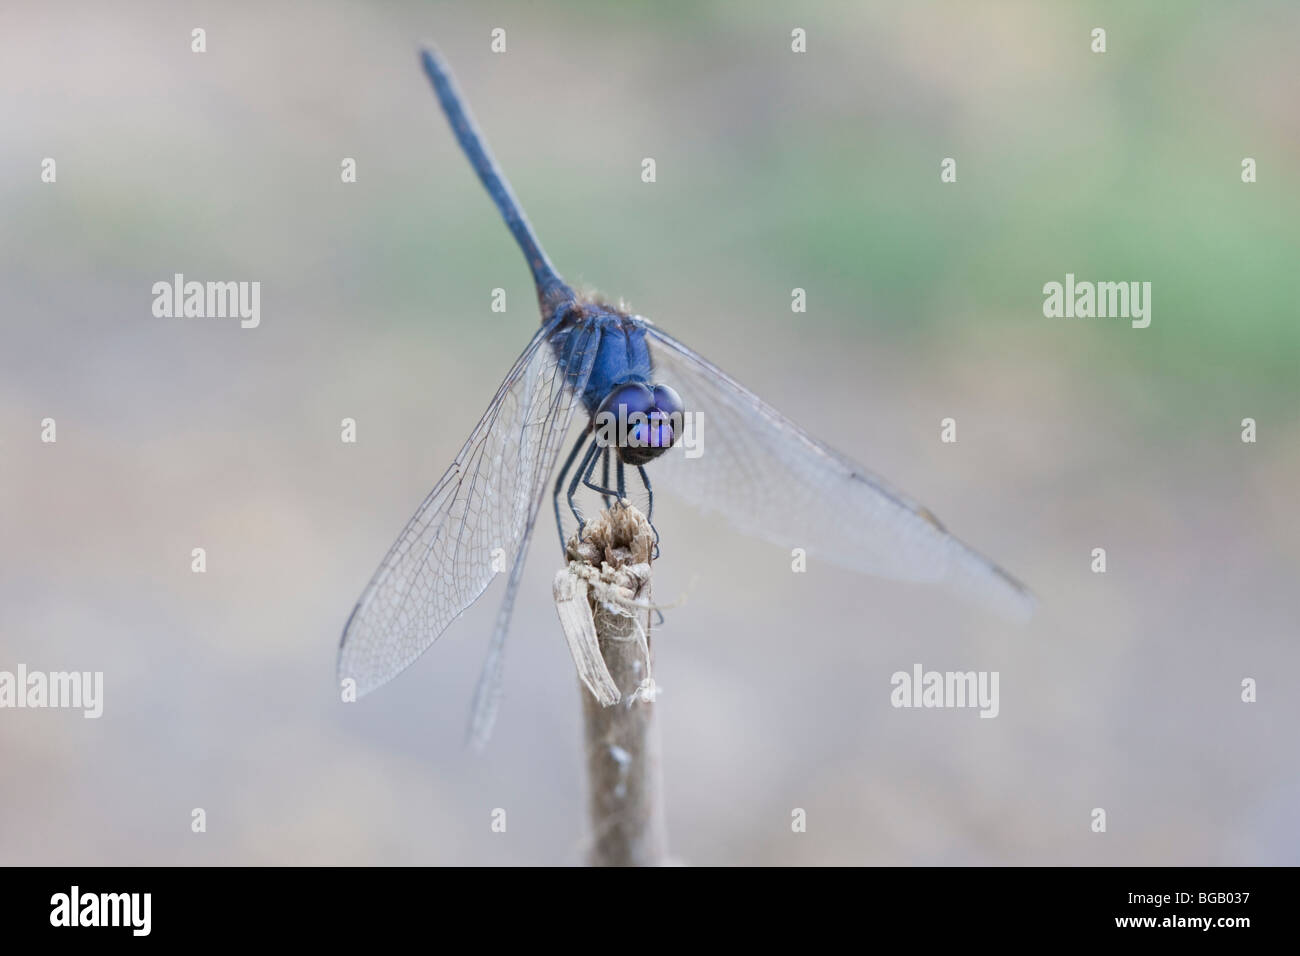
(774, 171)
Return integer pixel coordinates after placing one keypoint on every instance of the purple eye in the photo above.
(667, 400)
(648, 421)
(627, 400)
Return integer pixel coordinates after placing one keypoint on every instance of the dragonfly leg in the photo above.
(622, 487)
(559, 483)
(650, 508)
(582, 472)
(604, 473)
(590, 466)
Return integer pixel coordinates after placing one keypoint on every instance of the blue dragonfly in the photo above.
(754, 466)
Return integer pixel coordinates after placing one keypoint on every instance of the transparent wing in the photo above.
(768, 477)
(487, 695)
(476, 521)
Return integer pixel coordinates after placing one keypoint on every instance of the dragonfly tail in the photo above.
(551, 289)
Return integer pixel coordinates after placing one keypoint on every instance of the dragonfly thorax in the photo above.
(641, 421)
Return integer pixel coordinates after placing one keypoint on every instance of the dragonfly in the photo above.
(595, 361)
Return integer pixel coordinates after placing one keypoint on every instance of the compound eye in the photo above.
(668, 401)
(628, 400)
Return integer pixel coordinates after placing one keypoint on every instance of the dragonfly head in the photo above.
(641, 421)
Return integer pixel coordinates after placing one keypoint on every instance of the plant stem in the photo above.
(609, 570)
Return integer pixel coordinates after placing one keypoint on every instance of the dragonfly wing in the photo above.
(475, 522)
(487, 695)
(770, 478)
